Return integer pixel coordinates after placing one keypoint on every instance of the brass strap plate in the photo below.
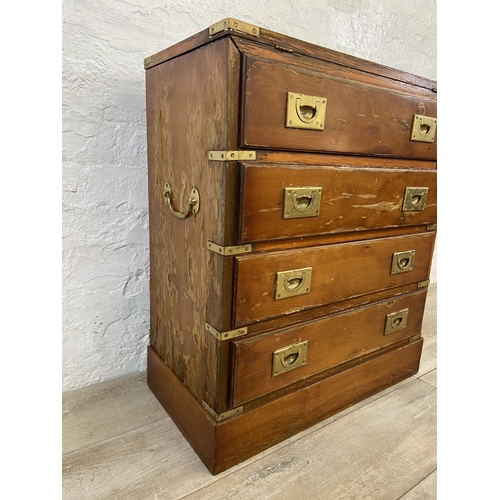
(402, 262)
(396, 321)
(234, 24)
(292, 283)
(422, 284)
(431, 227)
(415, 199)
(231, 155)
(288, 358)
(230, 334)
(221, 416)
(301, 202)
(305, 111)
(234, 250)
(423, 129)
(415, 337)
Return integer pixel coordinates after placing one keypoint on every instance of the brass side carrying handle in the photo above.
(305, 111)
(289, 358)
(193, 202)
(396, 321)
(292, 283)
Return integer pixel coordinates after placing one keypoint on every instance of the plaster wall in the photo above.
(105, 212)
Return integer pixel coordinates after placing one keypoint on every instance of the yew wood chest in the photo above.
(292, 197)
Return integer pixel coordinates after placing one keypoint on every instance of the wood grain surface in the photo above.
(361, 118)
(338, 272)
(331, 341)
(352, 199)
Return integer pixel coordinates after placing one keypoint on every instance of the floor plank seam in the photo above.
(99, 443)
(414, 486)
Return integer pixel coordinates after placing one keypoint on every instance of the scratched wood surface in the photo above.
(362, 115)
(119, 443)
(338, 272)
(352, 199)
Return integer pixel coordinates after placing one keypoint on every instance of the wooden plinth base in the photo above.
(221, 445)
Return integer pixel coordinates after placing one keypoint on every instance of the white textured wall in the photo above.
(105, 219)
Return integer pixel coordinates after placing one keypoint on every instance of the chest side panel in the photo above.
(187, 115)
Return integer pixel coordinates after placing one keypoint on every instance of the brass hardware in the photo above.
(235, 250)
(415, 199)
(288, 358)
(396, 321)
(231, 155)
(301, 202)
(193, 202)
(422, 284)
(423, 129)
(414, 337)
(149, 60)
(402, 262)
(234, 24)
(292, 283)
(283, 49)
(305, 111)
(231, 334)
(221, 416)
(431, 227)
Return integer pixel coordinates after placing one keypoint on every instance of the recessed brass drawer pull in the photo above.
(423, 129)
(288, 358)
(402, 262)
(396, 321)
(415, 199)
(292, 283)
(193, 202)
(301, 202)
(305, 111)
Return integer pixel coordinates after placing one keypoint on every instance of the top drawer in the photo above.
(353, 112)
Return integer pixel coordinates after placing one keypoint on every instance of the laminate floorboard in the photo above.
(120, 444)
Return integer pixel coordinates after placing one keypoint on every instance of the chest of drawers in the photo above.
(292, 197)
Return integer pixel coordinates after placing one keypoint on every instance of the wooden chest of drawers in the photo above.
(292, 195)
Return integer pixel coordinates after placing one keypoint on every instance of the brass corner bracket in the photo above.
(221, 416)
(234, 24)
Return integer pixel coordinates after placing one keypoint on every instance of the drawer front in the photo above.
(268, 362)
(356, 117)
(279, 283)
(281, 201)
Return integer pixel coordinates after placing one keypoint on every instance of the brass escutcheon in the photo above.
(415, 199)
(396, 321)
(402, 262)
(288, 358)
(292, 283)
(301, 202)
(305, 111)
(423, 129)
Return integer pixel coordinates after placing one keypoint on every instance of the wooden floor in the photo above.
(118, 443)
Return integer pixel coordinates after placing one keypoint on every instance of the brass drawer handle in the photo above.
(396, 321)
(288, 358)
(305, 111)
(402, 262)
(301, 202)
(193, 202)
(423, 129)
(415, 199)
(292, 283)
